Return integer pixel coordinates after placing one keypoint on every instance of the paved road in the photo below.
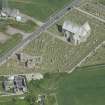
(44, 27)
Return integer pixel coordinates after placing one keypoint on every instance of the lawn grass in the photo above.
(12, 101)
(3, 25)
(1, 87)
(39, 9)
(12, 42)
(27, 27)
(83, 88)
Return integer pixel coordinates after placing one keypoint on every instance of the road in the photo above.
(44, 27)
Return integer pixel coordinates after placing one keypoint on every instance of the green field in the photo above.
(11, 100)
(3, 25)
(39, 9)
(83, 88)
(28, 26)
(12, 42)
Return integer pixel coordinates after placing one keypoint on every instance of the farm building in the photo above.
(5, 11)
(19, 84)
(75, 33)
(15, 83)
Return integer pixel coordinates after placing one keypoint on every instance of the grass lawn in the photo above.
(83, 88)
(12, 101)
(28, 26)
(12, 42)
(1, 87)
(3, 25)
(39, 9)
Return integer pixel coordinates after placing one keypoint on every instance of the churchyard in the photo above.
(70, 55)
(50, 43)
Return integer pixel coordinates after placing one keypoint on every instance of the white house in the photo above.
(75, 33)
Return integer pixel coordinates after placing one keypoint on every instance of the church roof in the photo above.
(71, 27)
(80, 31)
